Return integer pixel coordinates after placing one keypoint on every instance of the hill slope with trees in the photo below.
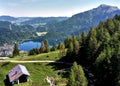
(98, 52)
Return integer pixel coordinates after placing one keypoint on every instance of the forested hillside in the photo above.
(98, 53)
(10, 33)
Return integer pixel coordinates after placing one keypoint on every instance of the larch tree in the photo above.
(47, 46)
(42, 48)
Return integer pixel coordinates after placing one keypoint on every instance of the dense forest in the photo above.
(98, 53)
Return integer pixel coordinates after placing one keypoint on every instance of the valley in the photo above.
(54, 28)
(81, 50)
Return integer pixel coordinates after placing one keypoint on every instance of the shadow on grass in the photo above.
(4, 64)
(7, 82)
(62, 68)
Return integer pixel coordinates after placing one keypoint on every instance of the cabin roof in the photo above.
(17, 71)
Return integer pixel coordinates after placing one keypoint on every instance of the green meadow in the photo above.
(38, 73)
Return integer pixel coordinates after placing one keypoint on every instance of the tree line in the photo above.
(98, 52)
(45, 48)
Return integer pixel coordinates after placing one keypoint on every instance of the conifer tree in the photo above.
(70, 48)
(83, 38)
(16, 50)
(62, 49)
(47, 46)
(77, 76)
(54, 48)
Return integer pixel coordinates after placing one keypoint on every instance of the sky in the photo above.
(49, 8)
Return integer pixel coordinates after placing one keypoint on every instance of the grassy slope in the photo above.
(38, 72)
(45, 56)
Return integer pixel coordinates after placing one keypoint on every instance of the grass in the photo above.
(38, 72)
(45, 56)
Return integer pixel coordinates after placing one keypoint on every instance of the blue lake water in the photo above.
(27, 46)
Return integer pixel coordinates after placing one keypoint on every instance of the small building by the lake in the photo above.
(18, 74)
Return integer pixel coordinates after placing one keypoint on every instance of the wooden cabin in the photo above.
(18, 74)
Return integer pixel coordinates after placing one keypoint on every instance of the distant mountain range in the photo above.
(34, 21)
(56, 27)
(83, 21)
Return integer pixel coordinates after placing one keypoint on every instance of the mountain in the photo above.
(7, 18)
(34, 21)
(43, 20)
(57, 28)
(10, 33)
(83, 21)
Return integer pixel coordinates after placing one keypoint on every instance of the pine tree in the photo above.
(62, 49)
(76, 47)
(70, 48)
(83, 39)
(67, 41)
(110, 26)
(91, 45)
(16, 50)
(54, 48)
(47, 46)
(77, 76)
(34, 51)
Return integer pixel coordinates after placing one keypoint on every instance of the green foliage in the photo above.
(10, 33)
(16, 50)
(67, 41)
(54, 48)
(77, 76)
(110, 25)
(76, 46)
(98, 52)
(34, 51)
(47, 46)
(43, 49)
(62, 49)
(38, 73)
(70, 48)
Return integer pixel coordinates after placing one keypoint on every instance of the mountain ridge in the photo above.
(76, 24)
(85, 20)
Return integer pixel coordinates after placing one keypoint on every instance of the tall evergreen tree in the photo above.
(67, 41)
(47, 46)
(77, 76)
(110, 26)
(83, 39)
(91, 45)
(54, 48)
(16, 50)
(76, 47)
(62, 49)
(70, 48)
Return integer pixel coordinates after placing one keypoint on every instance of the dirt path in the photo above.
(37, 61)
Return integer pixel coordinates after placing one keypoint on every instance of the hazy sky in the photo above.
(47, 8)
